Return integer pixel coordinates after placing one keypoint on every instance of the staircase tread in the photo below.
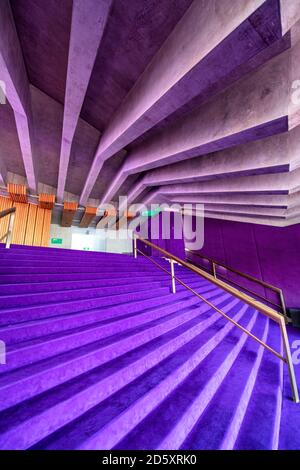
(105, 356)
(162, 289)
(61, 393)
(82, 350)
(106, 321)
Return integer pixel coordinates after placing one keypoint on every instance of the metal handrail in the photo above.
(279, 291)
(8, 235)
(264, 309)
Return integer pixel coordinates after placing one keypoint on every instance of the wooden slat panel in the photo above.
(88, 216)
(46, 201)
(110, 213)
(123, 220)
(129, 215)
(20, 224)
(32, 223)
(68, 213)
(31, 219)
(37, 239)
(17, 192)
(108, 219)
(46, 227)
(5, 203)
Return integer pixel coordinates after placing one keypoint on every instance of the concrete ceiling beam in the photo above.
(88, 23)
(3, 173)
(238, 115)
(14, 76)
(269, 155)
(256, 107)
(206, 36)
(254, 200)
(277, 182)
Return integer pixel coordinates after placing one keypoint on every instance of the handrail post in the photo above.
(173, 276)
(134, 247)
(10, 230)
(289, 360)
(214, 270)
(283, 304)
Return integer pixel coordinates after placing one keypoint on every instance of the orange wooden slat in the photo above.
(70, 206)
(46, 201)
(5, 203)
(17, 192)
(110, 213)
(18, 236)
(68, 213)
(88, 216)
(37, 239)
(32, 223)
(30, 228)
(123, 220)
(129, 215)
(46, 227)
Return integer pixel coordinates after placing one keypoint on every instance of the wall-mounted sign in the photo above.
(56, 241)
(151, 213)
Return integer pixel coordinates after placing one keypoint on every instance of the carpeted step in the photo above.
(101, 354)
(39, 250)
(174, 418)
(12, 264)
(148, 268)
(117, 415)
(37, 278)
(30, 351)
(27, 330)
(24, 382)
(64, 255)
(265, 404)
(64, 269)
(25, 288)
(221, 420)
(12, 316)
(49, 298)
(290, 414)
(82, 260)
(61, 285)
(70, 400)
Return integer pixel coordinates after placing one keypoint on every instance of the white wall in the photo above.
(117, 241)
(92, 239)
(65, 233)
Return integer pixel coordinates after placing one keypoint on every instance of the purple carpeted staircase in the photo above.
(100, 355)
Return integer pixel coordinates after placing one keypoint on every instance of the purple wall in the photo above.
(170, 244)
(268, 253)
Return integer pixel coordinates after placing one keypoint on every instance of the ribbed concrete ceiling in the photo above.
(175, 101)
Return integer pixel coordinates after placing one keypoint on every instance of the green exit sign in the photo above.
(56, 241)
(151, 213)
